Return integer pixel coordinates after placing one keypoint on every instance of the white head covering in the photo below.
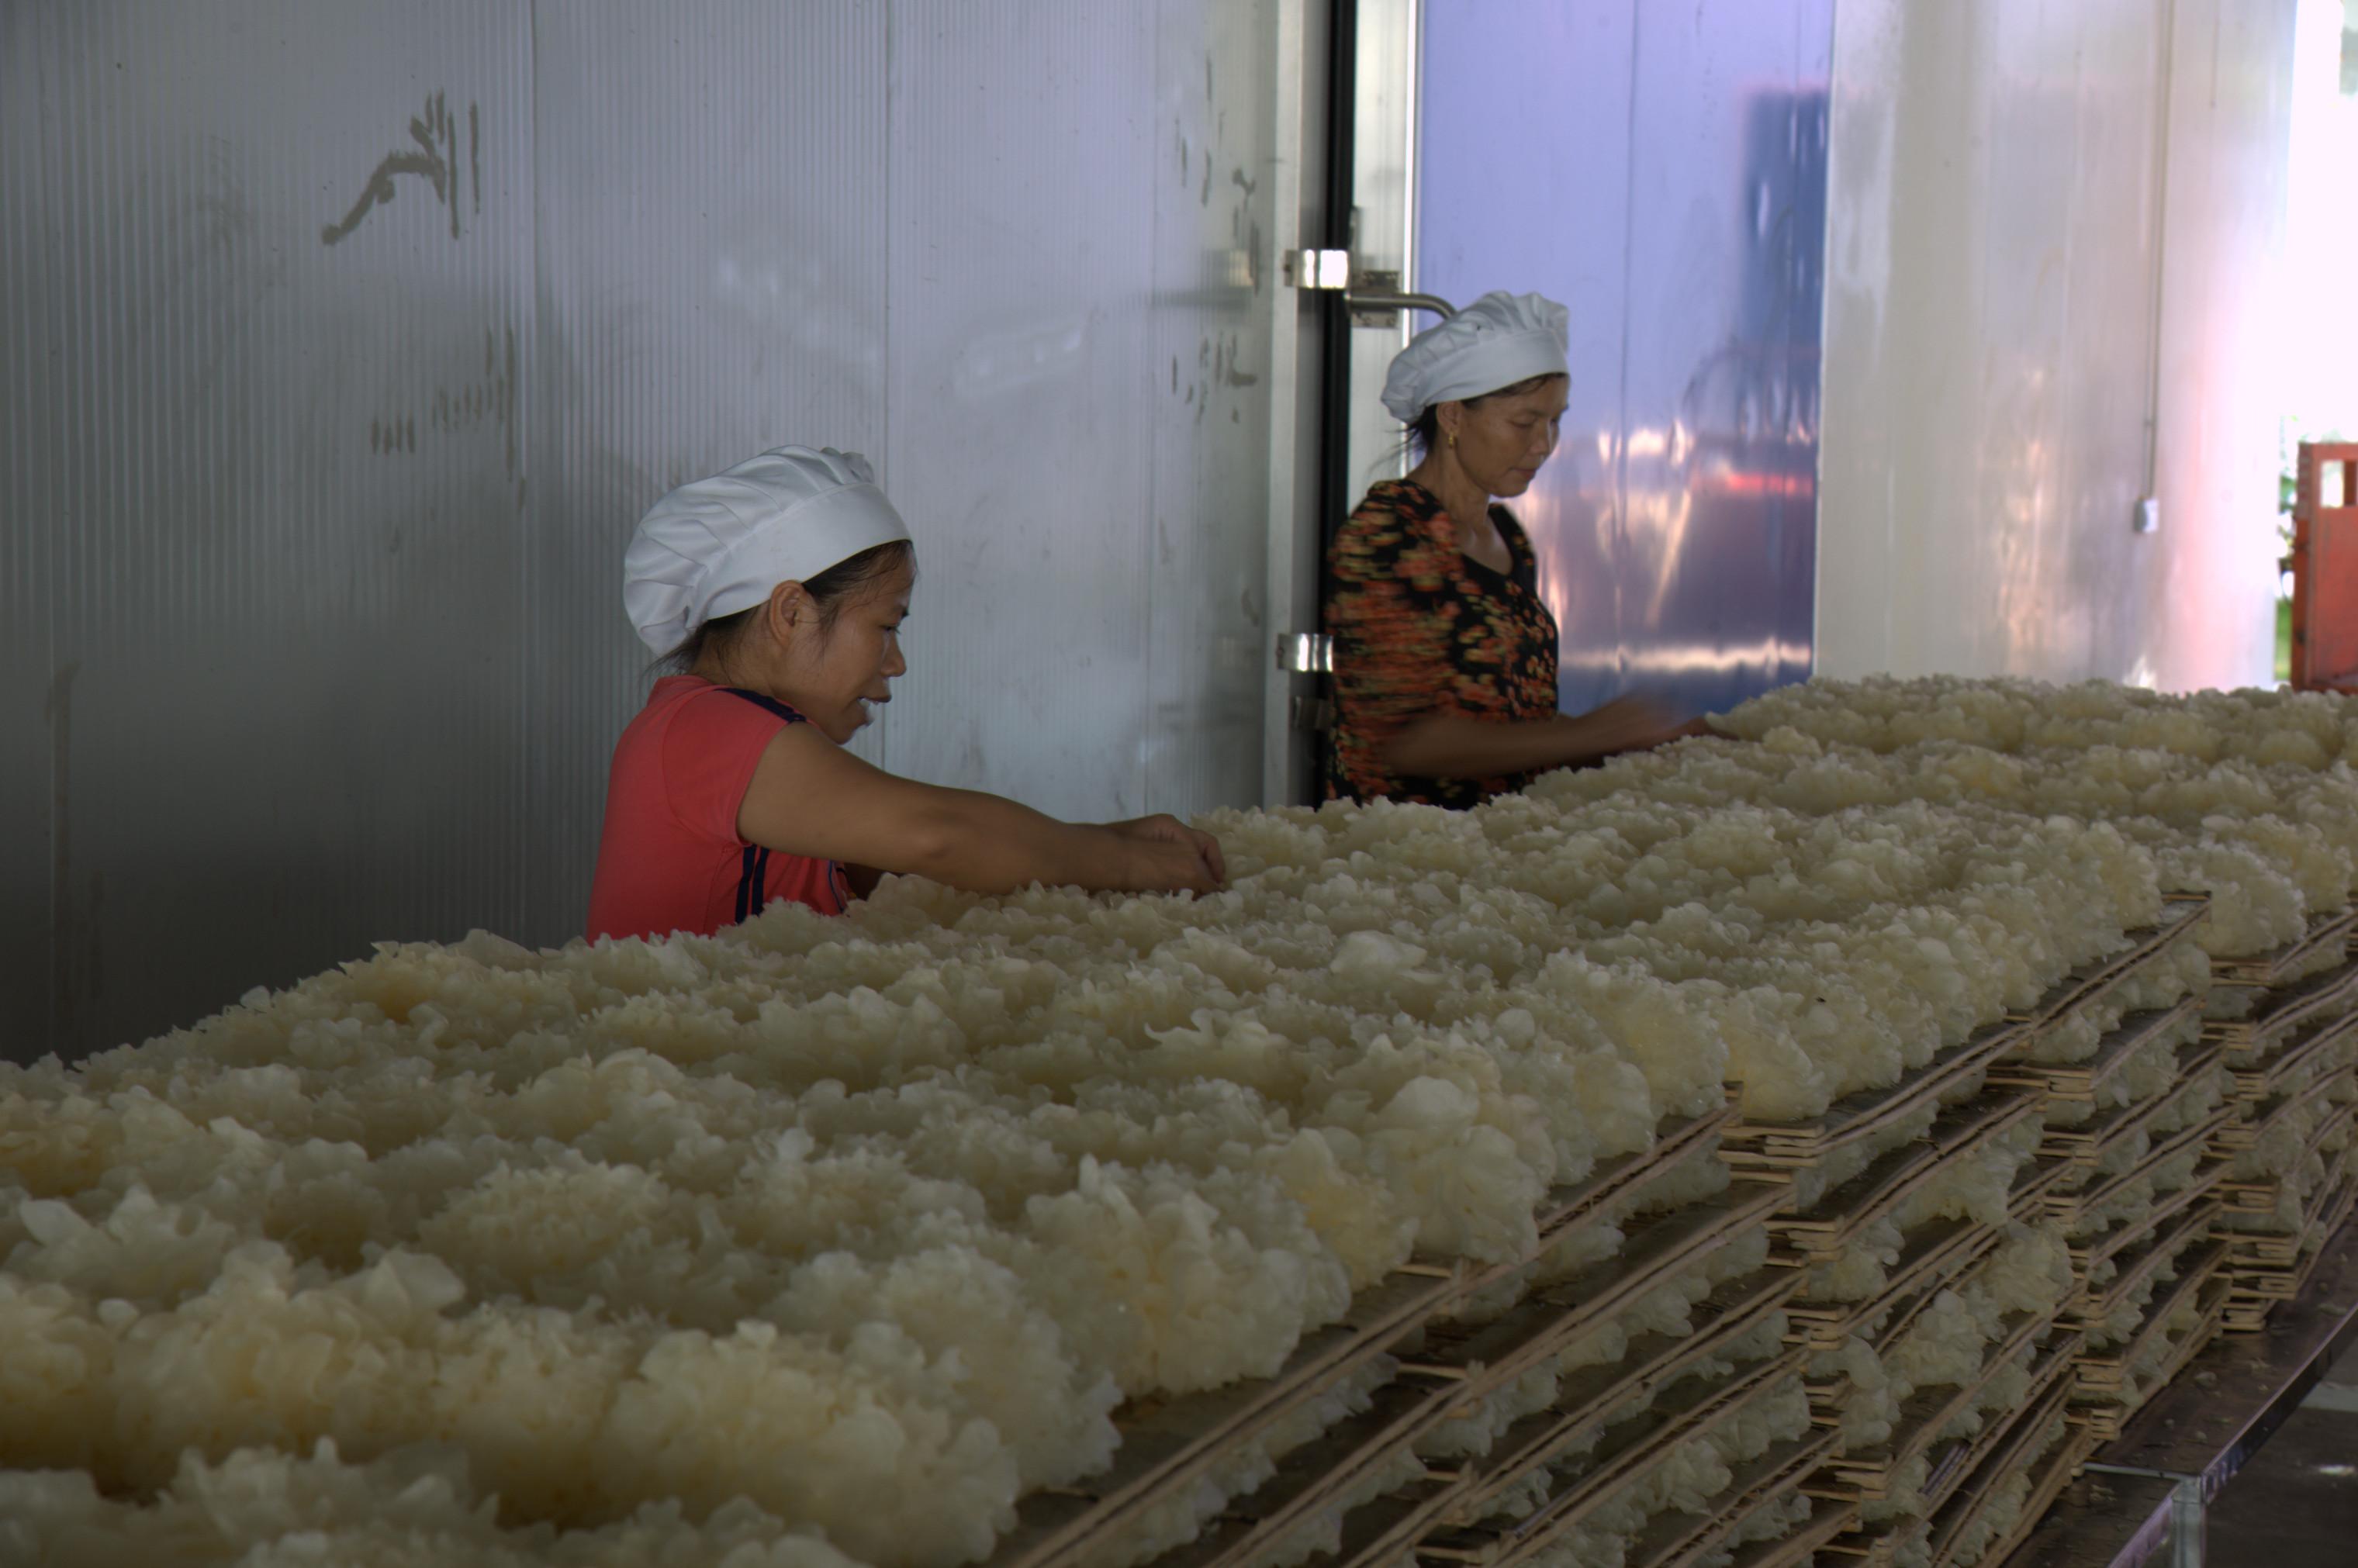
(717, 545)
(1496, 342)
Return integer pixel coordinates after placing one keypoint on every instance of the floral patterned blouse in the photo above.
(1421, 628)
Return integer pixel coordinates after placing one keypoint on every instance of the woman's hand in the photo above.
(1460, 746)
(1166, 830)
(1637, 723)
(810, 796)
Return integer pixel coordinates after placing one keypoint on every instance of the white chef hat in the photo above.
(717, 545)
(1496, 342)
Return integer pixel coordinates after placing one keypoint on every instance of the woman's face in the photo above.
(838, 677)
(1505, 438)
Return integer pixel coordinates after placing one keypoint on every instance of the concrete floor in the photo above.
(2295, 1505)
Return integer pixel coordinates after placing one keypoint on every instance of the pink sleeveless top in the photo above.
(669, 858)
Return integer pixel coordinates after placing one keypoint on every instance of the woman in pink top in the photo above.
(777, 589)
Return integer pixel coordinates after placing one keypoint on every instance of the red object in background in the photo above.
(2325, 570)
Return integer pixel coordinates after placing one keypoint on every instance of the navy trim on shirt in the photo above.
(769, 703)
(745, 882)
(753, 876)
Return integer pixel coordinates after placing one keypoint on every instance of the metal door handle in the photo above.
(1361, 290)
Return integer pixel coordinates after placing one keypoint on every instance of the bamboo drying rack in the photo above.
(2268, 970)
(1772, 1146)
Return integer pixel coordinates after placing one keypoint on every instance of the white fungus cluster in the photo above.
(745, 1238)
(1685, 1483)
(2146, 1369)
(2245, 794)
(1948, 1342)
(1990, 1511)
(418, 1506)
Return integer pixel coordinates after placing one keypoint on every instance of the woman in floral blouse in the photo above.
(1444, 653)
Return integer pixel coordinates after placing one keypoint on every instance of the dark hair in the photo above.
(1424, 430)
(831, 590)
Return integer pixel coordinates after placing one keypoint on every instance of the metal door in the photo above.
(1662, 172)
(1355, 264)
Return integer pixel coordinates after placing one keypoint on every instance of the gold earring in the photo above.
(1453, 440)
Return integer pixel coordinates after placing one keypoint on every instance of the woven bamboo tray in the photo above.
(1931, 1255)
(2255, 1290)
(2015, 1449)
(2054, 1474)
(1686, 1412)
(2263, 1077)
(2262, 1197)
(1589, 1396)
(2284, 1011)
(1949, 1483)
(2049, 1391)
(2103, 1418)
(2259, 1120)
(2189, 1228)
(1823, 1235)
(2266, 1245)
(2102, 1373)
(2071, 1207)
(1774, 1148)
(2182, 913)
(1935, 1254)
(2080, 1081)
(2268, 970)
(1827, 1395)
(1386, 1528)
(2260, 1252)
(2086, 1145)
(1869, 1476)
(2122, 1239)
(1676, 1540)
(1169, 1445)
(1995, 1451)
(1457, 1365)
(1830, 1520)
(1787, 1146)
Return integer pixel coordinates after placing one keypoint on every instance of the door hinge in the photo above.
(1306, 653)
(1316, 269)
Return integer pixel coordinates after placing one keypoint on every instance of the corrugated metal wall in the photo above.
(268, 299)
(344, 350)
(2037, 210)
(1661, 170)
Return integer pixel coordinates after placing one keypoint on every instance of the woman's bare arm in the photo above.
(1451, 746)
(810, 796)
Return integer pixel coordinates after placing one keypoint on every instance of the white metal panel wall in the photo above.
(2002, 173)
(1078, 342)
(1211, 163)
(1019, 393)
(312, 547)
(266, 300)
(2222, 339)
